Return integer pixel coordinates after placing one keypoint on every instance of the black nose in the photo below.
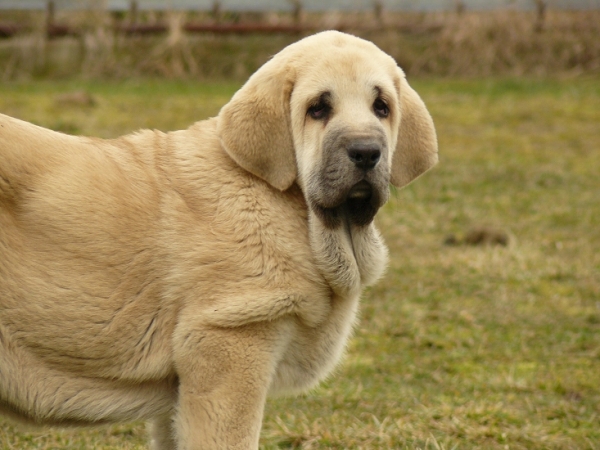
(365, 156)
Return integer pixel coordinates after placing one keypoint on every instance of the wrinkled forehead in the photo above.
(347, 69)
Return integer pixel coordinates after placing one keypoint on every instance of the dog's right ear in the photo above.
(255, 126)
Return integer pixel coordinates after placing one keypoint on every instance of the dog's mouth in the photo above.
(358, 206)
(362, 203)
(361, 191)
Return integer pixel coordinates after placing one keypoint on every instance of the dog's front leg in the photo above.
(224, 377)
(160, 430)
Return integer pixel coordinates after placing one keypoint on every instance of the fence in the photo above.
(217, 7)
(123, 38)
(291, 5)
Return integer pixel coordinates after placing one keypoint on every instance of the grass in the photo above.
(459, 347)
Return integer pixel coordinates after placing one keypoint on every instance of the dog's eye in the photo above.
(319, 111)
(381, 108)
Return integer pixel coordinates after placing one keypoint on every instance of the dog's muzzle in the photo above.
(352, 184)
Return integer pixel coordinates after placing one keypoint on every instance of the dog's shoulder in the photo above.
(246, 239)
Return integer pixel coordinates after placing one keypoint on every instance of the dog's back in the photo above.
(77, 231)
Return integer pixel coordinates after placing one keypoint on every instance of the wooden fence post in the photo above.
(378, 11)
(540, 7)
(217, 11)
(133, 12)
(49, 18)
(297, 12)
(459, 7)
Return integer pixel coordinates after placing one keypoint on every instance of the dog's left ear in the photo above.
(255, 128)
(417, 148)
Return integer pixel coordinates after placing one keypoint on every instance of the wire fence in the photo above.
(132, 10)
(290, 5)
(181, 38)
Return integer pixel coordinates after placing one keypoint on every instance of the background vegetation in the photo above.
(460, 346)
(474, 44)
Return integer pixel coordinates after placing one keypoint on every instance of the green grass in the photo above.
(458, 347)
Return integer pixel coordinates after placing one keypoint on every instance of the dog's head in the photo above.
(335, 114)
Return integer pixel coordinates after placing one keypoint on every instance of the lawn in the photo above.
(459, 347)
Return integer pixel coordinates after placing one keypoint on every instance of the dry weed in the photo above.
(470, 44)
(513, 43)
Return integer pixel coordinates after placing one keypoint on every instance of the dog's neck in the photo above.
(349, 257)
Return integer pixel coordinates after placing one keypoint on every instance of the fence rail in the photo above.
(291, 5)
(296, 7)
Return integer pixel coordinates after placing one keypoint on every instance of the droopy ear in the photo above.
(417, 149)
(255, 126)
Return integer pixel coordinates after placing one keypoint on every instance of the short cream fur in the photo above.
(182, 277)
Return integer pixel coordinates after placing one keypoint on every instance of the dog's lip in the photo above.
(361, 191)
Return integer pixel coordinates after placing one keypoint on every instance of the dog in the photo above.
(182, 277)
